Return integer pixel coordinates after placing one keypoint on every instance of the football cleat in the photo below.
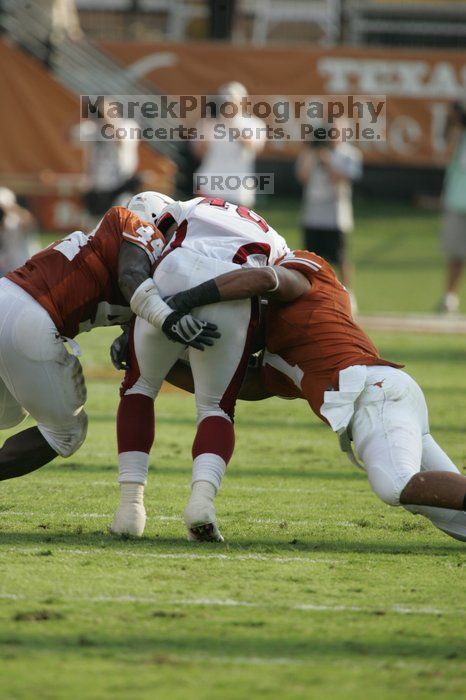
(207, 532)
(201, 521)
(129, 520)
(130, 516)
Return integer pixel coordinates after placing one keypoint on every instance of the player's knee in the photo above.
(210, 411)
(68, 440)
(386, 486)
(142, 387)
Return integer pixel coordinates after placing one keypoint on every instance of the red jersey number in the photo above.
(251, 215)
(243, 212)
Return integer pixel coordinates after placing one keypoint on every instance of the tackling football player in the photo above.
(75, 285)
(315, 351)
(206, 237)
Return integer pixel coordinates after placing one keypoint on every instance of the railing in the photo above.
(431, 23)
(78, 65)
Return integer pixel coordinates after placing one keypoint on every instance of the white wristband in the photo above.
(147, 303)
(277, 282)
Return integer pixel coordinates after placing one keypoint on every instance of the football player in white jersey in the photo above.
(206, 237)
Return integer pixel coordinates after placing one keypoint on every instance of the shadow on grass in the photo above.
(190, 645)
(313, 424)
(235, 472)
(101, 541)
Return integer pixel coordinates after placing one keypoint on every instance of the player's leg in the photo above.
(453, 244)
(218, 375)
(45, 381)
(387, 431)
(151, 355)
(11, 413)
(434, 459)
(388, 428)
(25, 451)
(439, 482)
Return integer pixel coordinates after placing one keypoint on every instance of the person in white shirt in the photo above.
(110, 166)
(18, 241)
(220, 156)
(326, 170)
(453, 234)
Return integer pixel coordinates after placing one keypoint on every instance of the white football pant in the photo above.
(37, 374)
(391, 435)
(218, 371)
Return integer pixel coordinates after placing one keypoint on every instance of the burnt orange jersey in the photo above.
(314, 337)
(76, 279)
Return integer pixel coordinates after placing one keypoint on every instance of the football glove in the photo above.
(203, 294)
(119, 351)
(188, 330)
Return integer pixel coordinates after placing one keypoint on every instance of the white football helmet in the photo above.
(149, 205)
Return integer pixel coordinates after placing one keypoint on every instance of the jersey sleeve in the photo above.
(278, 249)
(146, 236)
(302, 261)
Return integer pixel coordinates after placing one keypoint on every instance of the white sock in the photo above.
(203, 490)
(209, 467)
(131, 494)
(130, 516)
(133, 467)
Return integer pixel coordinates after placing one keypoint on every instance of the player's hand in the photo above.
(179, 302)
(188, 330)
(119, 351)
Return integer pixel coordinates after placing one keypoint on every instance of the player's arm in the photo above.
(276, 283)
(134, 268)
(138, 287)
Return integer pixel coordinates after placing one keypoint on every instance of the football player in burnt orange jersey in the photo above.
(75, 285)
(315, 351)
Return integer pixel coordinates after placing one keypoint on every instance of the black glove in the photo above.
(188, 330)
(119, 351)
(203, 294)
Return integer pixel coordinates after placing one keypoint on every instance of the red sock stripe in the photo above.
(216, 435)
(135, 424)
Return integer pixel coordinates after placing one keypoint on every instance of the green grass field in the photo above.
(320, 591)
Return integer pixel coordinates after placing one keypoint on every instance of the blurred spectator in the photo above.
(55, 22)
(110, 166)
(225, 157)
(18, 241)
(221, 17)
(326, 170)
(453, 234)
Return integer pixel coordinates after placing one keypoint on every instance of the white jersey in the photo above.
(224, 231)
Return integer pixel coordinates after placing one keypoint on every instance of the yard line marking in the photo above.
(32, 514)
(168, 518)
(232, 603)
(179, 555)
(232, 486)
